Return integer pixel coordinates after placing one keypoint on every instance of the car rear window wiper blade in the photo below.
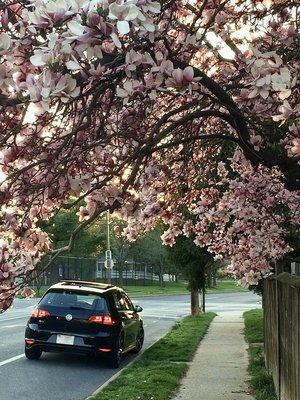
(78, 308)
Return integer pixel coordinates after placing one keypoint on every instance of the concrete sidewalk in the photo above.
(219, 368)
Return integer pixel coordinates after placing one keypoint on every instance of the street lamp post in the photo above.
(108, 258)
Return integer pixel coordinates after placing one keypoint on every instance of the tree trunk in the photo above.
(203, 299)
(120, 275)
(209, 280)
(161, 276)
(214, 279)
(195, 307)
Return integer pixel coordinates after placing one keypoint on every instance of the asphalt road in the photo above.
(74, 377)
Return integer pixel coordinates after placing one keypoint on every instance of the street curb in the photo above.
(117, 374)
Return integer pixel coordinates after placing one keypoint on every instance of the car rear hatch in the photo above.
(71, 312)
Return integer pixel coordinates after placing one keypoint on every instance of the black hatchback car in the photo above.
(85, 317)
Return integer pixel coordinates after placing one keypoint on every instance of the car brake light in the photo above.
(107, 320)
(104, 350)
(96, 318)
(39, 313)
(102, 319)
(29, 342)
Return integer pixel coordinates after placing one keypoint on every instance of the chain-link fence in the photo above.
(92, 269)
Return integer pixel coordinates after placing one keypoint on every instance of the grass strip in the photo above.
(158, 371)
(254, 326)
(181, 343)
(261, 382)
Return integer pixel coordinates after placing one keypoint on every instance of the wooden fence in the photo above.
(282, 333)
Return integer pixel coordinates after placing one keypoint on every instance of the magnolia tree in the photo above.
(183, 111)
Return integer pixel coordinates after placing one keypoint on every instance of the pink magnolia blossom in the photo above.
(130, 106)
(295, 150)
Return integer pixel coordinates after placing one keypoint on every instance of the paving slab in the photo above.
(219, 368)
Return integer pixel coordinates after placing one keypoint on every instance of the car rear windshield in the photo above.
(75, 300)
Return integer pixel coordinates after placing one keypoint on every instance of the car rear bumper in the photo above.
(85, 344)
(57, 348)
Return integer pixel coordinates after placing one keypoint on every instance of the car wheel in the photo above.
(139, 341)
(116, 355)
(33, 353)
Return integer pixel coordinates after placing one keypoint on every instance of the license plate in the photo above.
(64, 339)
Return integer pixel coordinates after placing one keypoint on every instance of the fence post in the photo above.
(277, 297)
(282, 333)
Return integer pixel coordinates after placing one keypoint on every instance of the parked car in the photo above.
(85, 317)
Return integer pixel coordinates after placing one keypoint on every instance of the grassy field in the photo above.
(153, 290)
(158, 371)
(224, 286)
(261, 383)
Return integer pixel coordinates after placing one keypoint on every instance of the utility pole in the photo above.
(108, 258)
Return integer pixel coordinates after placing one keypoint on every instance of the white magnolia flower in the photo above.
(76, 28)
(5, 42)
(72, 65)
(65, 88)
(40, 58)
(123, 13)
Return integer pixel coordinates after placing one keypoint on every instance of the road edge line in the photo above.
(12, 359)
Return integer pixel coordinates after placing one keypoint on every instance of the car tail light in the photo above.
(104, 350)
(96, 318)
(107, 320)
(39, 313)
(29, 342)
(102, 319)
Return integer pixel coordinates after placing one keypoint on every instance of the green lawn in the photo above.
(261, 381)
(158, 371)
(223, 286)
(226, 286)
(154, 290)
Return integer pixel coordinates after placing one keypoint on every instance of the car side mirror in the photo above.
(137, 309)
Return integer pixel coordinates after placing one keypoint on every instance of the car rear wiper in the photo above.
(78, 308)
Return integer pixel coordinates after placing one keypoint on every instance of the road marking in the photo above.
(12, 326)
(11, 359)
(162, 316)
(10, 319)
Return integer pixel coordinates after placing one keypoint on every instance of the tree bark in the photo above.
(209, 280)
(161, 276)
(214, 279)
(120, 275)
(195, 307)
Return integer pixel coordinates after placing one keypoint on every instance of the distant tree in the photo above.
(149, 249)
(194, 262)
(120, 246)
(89, 242)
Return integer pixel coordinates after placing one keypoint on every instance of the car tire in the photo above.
(33, 353)
(139, 341)
(114, 360)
